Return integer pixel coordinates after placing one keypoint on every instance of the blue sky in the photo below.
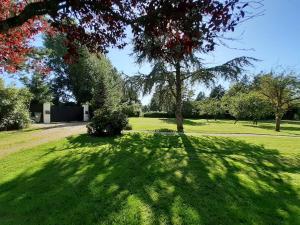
(273, 38)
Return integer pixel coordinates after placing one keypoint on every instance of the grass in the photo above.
(152, 179)
(16, 137)
(219, 126)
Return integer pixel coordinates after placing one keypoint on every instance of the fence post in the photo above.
(85, 112)
(47, 112)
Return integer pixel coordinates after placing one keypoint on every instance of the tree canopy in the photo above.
(173, 29)
(83, 78)
(39, 88)
(282, 90)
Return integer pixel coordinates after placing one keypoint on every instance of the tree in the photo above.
(257, 106)
(282, 90)
(85, 77)
(162, 100)
(211, 107)
(235, 106)
(201, 96)
(130, 92)
(39, 89)
(251, 105)
(54, 52)
(15, 42)
(101, 24)
(14, 107)
(175, 82)
(171, 35)
(238, 88)
(217, 92)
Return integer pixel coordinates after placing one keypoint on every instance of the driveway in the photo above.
(38, 134)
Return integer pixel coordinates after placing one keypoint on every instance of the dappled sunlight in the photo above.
(153, 179)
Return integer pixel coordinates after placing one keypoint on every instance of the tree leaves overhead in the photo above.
(172, 30)
(169, 29)
(15, 43)
(161, 75)
(229, 70)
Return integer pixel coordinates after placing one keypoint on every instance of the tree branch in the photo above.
(30, 11)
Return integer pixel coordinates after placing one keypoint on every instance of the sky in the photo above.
(273, 38)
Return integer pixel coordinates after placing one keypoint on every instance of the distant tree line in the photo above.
(268, 96)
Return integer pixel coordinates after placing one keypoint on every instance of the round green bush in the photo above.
(107, 123)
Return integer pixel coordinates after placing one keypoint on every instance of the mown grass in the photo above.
(151, 179)
(219, 126)
(8, 138)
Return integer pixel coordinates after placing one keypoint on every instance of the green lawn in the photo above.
(153, 179)
(219, 126)
(15, 137)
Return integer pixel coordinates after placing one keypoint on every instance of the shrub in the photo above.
(158, 115)
(128, 127)
(107, 123)
(132, 110)
(14, 108)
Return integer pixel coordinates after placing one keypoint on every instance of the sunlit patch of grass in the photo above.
(219, 126)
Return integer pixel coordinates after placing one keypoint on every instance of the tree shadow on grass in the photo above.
(153, 179)
(186, 122)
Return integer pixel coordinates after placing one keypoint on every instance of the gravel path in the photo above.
(45, 133)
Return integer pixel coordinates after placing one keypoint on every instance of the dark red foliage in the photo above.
(175, 28)
(171, 30)
(14, 44)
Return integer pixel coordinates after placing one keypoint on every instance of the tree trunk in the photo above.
(178, 111)
(278, 121)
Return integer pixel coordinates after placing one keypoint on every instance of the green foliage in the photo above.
(130, 91)
(258, 106)
(162, 100)
(128, 127)
(174, 78)
(190, 109)
(14, 108)
(107, 122)
(211, 107)
(235, 106)
(201, 96)
(282, 90)
(145, 108)
(157, 114)
(242, 86)
(132, 110)
(60, 82)
(217, 92)
(250, 105)
(39, 88)
(91, 78)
